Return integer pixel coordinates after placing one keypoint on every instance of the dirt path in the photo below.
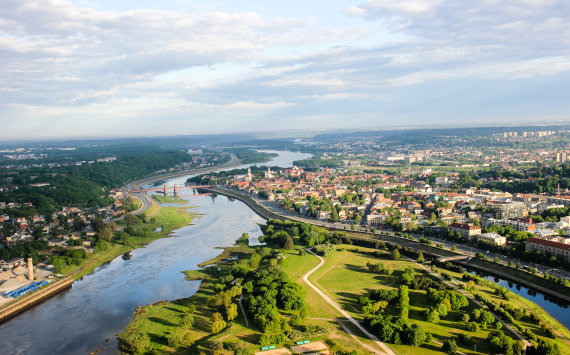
(243, 311)
(384, 347)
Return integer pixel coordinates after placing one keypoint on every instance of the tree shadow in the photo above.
(162, 321)
(249, 338)
(159, 339)
(174, 309)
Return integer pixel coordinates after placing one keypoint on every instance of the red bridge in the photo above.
(175, 188)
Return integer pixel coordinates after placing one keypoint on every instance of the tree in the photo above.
(187, 321)
(465, 318)
(546, 348)
(420, 258)
(395, 254)
(130, 219)
(288, 244)
(476, 314)
(403, 296)
(449, 346)
(432, 316)
(180, 338)
(487, 317)
(442, 310)
(217, 323)
(231, 312)
(473, 327)
(105, 234)
(254, 261)
(416, 335)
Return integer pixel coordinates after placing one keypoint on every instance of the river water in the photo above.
(87, 317)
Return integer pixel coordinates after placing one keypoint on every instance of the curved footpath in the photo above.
(330, 301)
(426, 249)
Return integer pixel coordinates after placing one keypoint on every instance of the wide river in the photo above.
(86, 317)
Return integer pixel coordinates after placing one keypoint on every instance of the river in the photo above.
(86, 317)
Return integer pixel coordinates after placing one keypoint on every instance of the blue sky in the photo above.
(90, 68)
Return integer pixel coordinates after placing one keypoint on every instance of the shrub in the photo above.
(449, 346)
(464, 338)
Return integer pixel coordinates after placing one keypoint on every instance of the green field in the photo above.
(168, 199)
(344, 277)
(165, 218)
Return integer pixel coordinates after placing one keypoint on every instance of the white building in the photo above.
(492, 238)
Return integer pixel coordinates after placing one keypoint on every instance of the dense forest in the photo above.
(86, 184)
(538, 180)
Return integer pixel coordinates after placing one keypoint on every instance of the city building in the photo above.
(520, 224)
(510, 210)
(549, 247)
(465, 230)
(492, 238)
(375, 219)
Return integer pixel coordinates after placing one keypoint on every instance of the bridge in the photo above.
(176, 188)
(453, 258)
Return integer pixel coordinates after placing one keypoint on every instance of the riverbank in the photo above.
(165, 219)
(166, 222)
(532, 281)
(343, 277)
(165, 326)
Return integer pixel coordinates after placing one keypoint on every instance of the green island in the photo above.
(255, 297)
(131, 233)
(168, 199)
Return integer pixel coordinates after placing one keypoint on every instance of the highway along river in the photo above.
(87, 317)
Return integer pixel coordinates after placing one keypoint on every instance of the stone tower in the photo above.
(30, 269)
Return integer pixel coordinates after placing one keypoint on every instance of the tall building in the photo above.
(510, 210)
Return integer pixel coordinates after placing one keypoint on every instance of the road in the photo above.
(461, 248)
(145, 199)
(278, 212)
(330, 301)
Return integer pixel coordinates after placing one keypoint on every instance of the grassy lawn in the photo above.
(168, 199)
(161, 320)
(345, 278)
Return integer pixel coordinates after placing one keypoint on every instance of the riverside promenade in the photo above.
(21, 305)
(508, 273)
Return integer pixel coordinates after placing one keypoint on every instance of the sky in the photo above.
(107, 68)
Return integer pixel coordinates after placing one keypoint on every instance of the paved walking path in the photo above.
(330, 301)
(243, 311)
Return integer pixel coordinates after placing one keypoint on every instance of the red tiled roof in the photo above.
(463, 226)
(549, 243)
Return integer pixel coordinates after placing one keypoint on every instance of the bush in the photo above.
(432, 316)
(473, 327)
(449, 346)
(464, 338)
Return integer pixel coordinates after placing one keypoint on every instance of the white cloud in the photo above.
(61, 61)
